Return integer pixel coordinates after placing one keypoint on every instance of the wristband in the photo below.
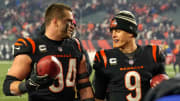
(22, 87)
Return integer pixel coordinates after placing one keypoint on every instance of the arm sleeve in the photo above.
(100, 85)
(160, 61)
(101, 82)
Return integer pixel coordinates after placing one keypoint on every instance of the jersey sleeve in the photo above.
(100, 78)
(84, 52)
(160, 60)
(78, 46)
(22, 46)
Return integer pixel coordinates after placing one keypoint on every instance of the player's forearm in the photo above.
(86, 93)
(11, 86)
(14, 88)
(85, 90)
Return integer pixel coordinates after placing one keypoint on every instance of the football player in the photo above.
(124, 72)
(41, 31)
(56, 41)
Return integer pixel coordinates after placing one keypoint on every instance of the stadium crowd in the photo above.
(23, 17)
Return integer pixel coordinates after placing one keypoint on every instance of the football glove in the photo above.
(35, 81)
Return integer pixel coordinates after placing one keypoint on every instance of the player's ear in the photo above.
(55, 22)
(131, 35)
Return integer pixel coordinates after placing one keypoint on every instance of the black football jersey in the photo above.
(68, 51)
(126, 79)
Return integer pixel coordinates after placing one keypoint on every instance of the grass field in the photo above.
(4, 65)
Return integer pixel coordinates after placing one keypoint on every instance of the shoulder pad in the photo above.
(100, 58)
(24, 46)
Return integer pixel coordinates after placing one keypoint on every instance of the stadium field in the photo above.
(4, 65)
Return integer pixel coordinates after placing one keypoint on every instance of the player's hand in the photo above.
(155, 84)
(157, 79)
(35, 81)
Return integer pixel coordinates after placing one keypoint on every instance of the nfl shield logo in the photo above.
(60, 49)
(131, 62)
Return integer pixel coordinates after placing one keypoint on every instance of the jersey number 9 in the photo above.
(136, 86)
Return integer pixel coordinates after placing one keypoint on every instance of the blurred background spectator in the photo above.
(157, 19)
(23, 17)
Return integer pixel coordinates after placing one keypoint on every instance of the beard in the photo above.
(66, 34)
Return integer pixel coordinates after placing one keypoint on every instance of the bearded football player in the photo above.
(41, 83)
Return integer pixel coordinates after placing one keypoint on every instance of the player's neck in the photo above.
(52, 34)
(52, 37)
(129, 48)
